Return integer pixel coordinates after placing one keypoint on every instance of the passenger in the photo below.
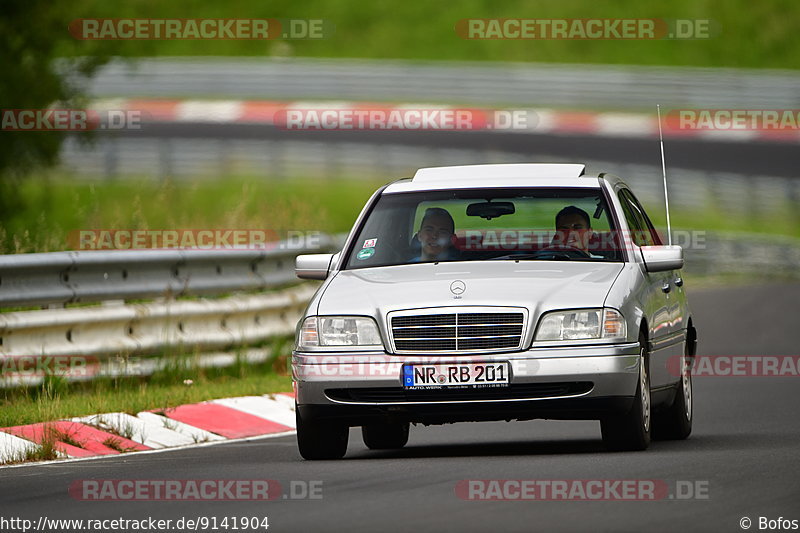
(573, 229)
(435, 236)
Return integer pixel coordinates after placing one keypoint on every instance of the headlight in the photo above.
(582, 324)
(339, 331)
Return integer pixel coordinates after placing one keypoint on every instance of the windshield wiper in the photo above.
(516, 257)
(543, 256)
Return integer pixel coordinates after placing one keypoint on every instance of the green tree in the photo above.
(41, 64)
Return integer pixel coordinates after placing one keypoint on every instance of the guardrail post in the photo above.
(165, 159)
(111, 158)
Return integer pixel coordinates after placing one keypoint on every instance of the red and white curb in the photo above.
(185, 425)
(549, 121)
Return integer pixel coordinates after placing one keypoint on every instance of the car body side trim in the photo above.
(667, 340)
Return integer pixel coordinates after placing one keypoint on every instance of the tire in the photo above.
(386, 436)
(675, 423)
(321, 439)
(631, 431)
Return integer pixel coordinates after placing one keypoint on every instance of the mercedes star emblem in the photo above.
(458, 287)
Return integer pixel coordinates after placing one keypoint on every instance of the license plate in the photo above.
(469, 375)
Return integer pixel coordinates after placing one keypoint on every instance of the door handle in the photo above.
(679, 281)
(665, 287)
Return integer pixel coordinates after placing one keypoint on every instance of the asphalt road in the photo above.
(744, 452)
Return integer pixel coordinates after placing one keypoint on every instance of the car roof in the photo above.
(570, 175)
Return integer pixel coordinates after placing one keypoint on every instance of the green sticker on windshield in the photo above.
(366, 253)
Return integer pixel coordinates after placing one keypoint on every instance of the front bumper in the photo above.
(584, 383)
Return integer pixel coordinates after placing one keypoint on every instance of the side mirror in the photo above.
(313, 266)
(662, 258)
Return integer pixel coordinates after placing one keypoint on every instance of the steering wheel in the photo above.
(555, 250)
(564, 250)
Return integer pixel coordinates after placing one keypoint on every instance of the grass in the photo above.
(55, 207)
(728, 280)
(67, 438)
(45, 450)
(42, 451)
(116, 444)
(56, 399)
(754, 35)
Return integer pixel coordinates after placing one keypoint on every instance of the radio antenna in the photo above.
(664, 173)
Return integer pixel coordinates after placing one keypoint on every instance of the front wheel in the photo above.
(321, 439)
(631, 431)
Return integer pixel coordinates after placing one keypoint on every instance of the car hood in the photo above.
(536, 285)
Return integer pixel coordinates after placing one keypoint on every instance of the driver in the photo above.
(435, 236)
(573, 229)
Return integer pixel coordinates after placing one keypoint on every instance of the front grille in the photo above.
(448, 332)
(512, 392)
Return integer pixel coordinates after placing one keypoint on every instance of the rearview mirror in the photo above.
(662, 258)
(490, 210)
(313, 266)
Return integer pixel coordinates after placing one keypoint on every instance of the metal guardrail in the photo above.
(101, 338)
(757, 255)
(94, 276)
(526, 84)
(171, 326)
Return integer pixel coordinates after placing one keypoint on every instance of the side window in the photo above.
(651, 236)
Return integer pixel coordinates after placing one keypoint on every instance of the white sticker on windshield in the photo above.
(370, 243)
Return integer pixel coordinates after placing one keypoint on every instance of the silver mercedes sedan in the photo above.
(495, 292)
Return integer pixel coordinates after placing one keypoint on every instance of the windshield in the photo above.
(486, 224)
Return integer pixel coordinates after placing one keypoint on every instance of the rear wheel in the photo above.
(631, 431)
(386, 436)
(321, 439)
